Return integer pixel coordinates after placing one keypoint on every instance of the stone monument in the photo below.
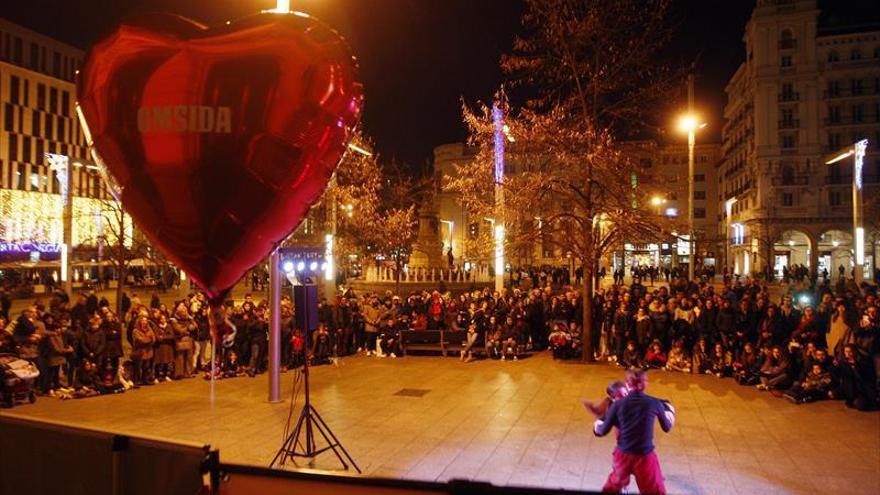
(427, 251)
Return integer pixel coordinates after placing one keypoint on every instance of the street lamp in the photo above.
(501, 134)
(857, 151)
(728, 210)
(689, 123)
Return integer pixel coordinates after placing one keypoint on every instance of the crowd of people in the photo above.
(813, 344)
(810, 344)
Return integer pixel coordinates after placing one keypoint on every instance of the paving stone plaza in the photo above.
(514, 423)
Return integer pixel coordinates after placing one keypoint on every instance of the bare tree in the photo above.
(120, 246)
(590, 73)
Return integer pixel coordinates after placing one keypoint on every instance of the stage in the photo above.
(514, 423)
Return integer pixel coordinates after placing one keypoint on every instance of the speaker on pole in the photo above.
(305, 301)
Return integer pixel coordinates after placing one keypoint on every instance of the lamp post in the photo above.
(60, 164)
(498, 121)
(857, 151)
(728, 210)
(690, 123)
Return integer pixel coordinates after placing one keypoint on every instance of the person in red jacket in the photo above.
(634, 417)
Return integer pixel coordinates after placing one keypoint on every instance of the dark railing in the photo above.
(798, 180)
(852, 119)
(789, 96)
(787, 44)
(789, 124)
(838, 179)
(850, 91)
(845, 179)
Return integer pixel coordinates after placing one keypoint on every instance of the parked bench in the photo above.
(422, 340)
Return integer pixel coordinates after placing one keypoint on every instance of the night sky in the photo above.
(420, 57)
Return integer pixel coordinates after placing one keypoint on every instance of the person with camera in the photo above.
(634, 417)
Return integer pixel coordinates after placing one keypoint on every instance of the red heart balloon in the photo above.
(218, 141)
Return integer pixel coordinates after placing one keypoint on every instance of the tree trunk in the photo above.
(120, 285)
(121, 265)
(397, 276)
(587, 338)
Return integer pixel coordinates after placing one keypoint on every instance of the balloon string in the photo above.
(215, 315)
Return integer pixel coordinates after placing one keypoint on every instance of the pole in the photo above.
(498, 121)
(692, 255)
(275, 326)
(67, 216)
(858, 230)
(329, 274)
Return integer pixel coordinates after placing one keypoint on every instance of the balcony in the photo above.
(850, 92)
(787, 44)
(785, 97)
(846, 179)
(851, 120)
(798, 180)
(831, 180)
(789, 124)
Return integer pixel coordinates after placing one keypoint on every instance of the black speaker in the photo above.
(305, 302)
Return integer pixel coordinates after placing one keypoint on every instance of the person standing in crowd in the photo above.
(113, 351)
(143, 343)
(95, 342)
(202, 346)
(185, 329)
(163, 357)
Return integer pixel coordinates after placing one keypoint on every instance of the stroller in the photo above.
(17, 382)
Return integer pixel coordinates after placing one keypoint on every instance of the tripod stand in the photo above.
(302, 441)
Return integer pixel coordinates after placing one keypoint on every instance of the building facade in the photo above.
(668, 186)
(666, 167)
(38, 119)
(807, 88)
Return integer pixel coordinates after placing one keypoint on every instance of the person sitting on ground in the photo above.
(574, 333)
(467, 355)
(816, 386)
(321, 345)
(678, 358)
(632, 356)
(747, 365)
(509, 340)
(559, 341)
(108, 380)
(297, 350)
(722, 361)
(702, 362)
(856, 380)
(493, 339)
(655, 357)
(775, 372)
(232, 367)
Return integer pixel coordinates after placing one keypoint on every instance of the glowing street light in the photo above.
(857, 150)
(690, 123)
(501, 131)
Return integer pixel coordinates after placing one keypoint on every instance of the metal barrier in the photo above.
(38, 457)
(41, 457)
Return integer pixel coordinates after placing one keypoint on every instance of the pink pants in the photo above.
(646, 469)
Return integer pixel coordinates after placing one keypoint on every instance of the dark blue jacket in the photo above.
(634, 416)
